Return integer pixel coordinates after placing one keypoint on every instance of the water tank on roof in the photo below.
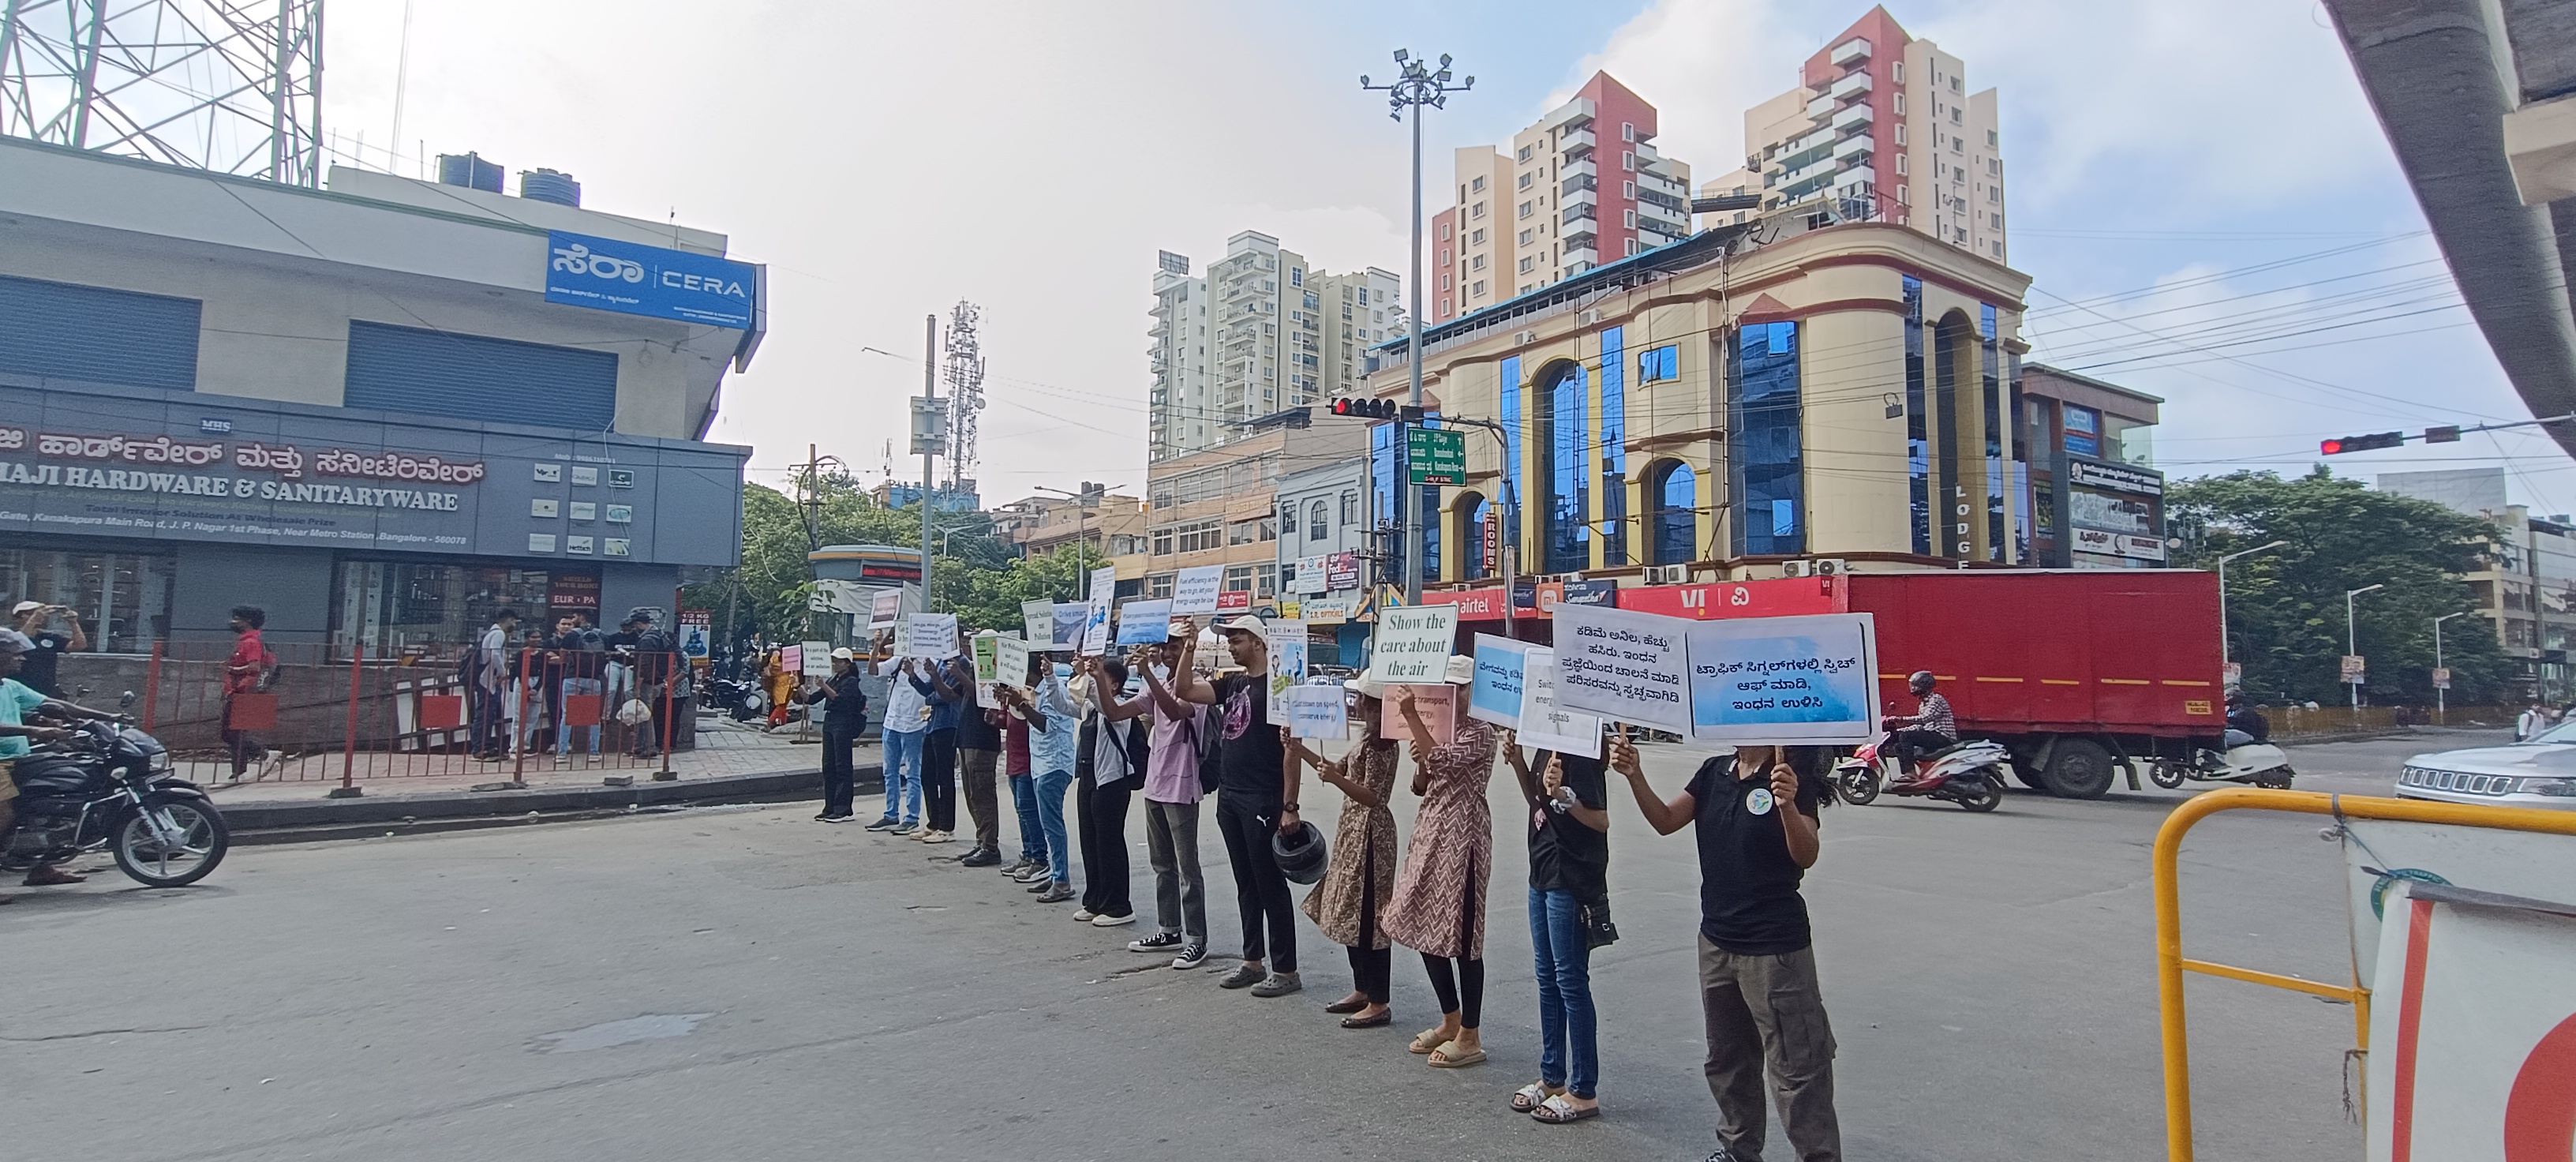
(468, 170)
(545, 185)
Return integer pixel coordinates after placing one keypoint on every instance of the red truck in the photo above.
(2082, 673)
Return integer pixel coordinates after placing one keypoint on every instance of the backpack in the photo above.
(1207, 737)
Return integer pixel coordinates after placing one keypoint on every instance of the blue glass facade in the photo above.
(1991, 385)
(1566, 466)
(1918, 435)
(1510, 392)
(1765, 452)
(1614, 447)
(1675, 532)
(1386, 467)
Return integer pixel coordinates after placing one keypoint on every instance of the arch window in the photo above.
(1474, 516)
(1673, 493)
(1565, 468)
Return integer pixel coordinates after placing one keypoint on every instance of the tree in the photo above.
(2285, 608)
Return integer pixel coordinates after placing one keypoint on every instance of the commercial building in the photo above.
(2095, 497)
(1746, 399)
(1260, 332)
(1108, 528)
(382, 410)
(2527, 591)
(1220, 506)
(1582, 186)
(1880, 126)
(1325, 524)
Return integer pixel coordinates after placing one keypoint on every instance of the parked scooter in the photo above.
(1970, 774)
(2244, 761)
(111, 786)
(739, 700)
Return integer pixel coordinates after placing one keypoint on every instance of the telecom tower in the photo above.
(233, 86)
(965, 374)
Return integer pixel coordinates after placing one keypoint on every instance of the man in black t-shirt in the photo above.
(1256, 795)
(1755, 813)
(39, 672)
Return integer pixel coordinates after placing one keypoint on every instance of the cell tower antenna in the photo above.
(965, 375)
(232, 86)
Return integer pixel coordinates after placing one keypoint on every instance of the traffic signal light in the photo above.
(2362, 443)
(1367, 409)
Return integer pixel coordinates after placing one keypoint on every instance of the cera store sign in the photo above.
(587, 271)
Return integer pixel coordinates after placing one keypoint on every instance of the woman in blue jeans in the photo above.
(1048, 708)
(1569, 831)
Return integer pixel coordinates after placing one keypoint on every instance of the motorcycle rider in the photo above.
(1930, 728)
(2245, 721)
(16, 701)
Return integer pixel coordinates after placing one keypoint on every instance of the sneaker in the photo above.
(1083, 915)
(1037, 874)
(1015, 867)
(1280, 984)
(907, 831)
(844, 817)
(981, 857)
(1721, 1154)
(888, 823)
(1040, 885)
(1056, 894)
(1113, 921)
(1192, 955)
(1158, 942)
(1243, 976)
(938, 837)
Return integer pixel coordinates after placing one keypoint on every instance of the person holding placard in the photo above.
(979, 750)
(907, 716)
(1359, 869)
(1053, 729)
(1256, 795)
(950, 690)
(845, 714)
(1755, 811)
(1108, 765)
(1438, 908)
(1569, 906)
(1172, 794)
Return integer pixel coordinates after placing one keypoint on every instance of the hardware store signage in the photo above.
(81, 463)
(585, 271)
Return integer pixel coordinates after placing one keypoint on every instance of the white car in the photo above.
(2538, 772)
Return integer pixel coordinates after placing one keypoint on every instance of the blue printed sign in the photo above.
(610, 275)
(1496, 696)
(1788, 680)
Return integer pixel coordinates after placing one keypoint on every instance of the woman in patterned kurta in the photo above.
(1439, 905)
(1359, 875)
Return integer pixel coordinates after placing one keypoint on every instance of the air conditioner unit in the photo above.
(1524, 338)
(1667, 574)
(1827, 567)
(1590, 317)
(1796, 569)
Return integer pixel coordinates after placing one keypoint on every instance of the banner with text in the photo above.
(1810, 680)
(1095, 619)
(930, 635)
(1145, 621)
(1287, 641)
(1037, 621)
(1412, 643)
(1497, 695)
(1545, 724)
(1623, 666)
(1194, 590)
(1311, 711)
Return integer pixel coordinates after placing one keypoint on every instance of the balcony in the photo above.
(1583, 168)
(1575, 143)
(1850, 52)
(1851, 147)
(1657, 232)
(1822, 167)
(1580, 257)
(1580, 212)
(1857, 115)
(1579, 183)
(1580, 198)
(1822, 108)
(1852, 85)
(1814, 138)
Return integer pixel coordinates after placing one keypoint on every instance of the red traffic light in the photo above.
(1367, 409)
(2361, 443)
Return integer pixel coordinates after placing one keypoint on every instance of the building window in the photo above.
(1523, 155)
(121, 599)
(1628, 190)
(1317, 527)
(1954, 83)
(1476, 262)
(1158, 584)
(1478, 210)
(1954, 115)
(1900, 104)
(1660, 363)
(1444, 279)
(1476, 239)
(1477, 288)
(1444, 307)
(1251, 532)
(1991, 141)
(1526, 237)
(1764, 447)
(1672, 492)
(1900, 172)
(1627, 131)
(1528, 264)
(1444, 229)
(1629, 218)
(1526, 179)
(1525, 209)
(1288, 517)
(1565, 468)
(388, 606)
(1900, 140)
(1350, 509)
(1628, 160)
(1477, 186)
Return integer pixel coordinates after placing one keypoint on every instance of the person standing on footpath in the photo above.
(583, 652)
(41, 670)
(492, 676)
(907, 715)
(244, 673)
(1569, 900)
(979, 751)
(951, 687)
(1053, 731)
(1024, 790)
(1256, 796)
(1172, 794)
(655, 678)
(1438, 908)
(845, 714)
(1755, 812)
(1359, 869)
(1110, 764)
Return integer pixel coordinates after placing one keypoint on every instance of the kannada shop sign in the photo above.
(610, 275)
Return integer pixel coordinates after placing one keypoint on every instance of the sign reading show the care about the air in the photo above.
(1412, 643)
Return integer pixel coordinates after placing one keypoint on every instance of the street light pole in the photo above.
(930, 391)
(1415, 86)
(2224, 657)
(2351, 641)
(2441, 691)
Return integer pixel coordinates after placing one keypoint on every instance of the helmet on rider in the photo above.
(1920, 681)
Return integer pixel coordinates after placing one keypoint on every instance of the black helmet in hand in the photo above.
(1300, 852)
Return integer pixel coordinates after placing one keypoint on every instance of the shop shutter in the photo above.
(405, 369)
(89, 334)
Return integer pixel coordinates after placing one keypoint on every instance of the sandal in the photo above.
(1446, 1057)
(1558, 1110)
(1368, 1022)
(1428, 1040)
(1527, 1097)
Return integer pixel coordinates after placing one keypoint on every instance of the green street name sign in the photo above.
(1436, 455)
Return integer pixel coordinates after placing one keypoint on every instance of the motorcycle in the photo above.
(111, 786)
(742, 701)
(1970, 774)
(2244, 761)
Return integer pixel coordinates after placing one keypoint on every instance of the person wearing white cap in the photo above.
(31, 618)
(1256, 795)
(845, 714)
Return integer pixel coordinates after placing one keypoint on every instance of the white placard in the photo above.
(1011, 660)
(1037, 620)
(817, 662)
(1497, 694)
(1096, 609)
(1194, 589)
(1412, 642)
(1809, 680)
(930, 635)
(1624, 666)
(1545, 724)
(1311, 711)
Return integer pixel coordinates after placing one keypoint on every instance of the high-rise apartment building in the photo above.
(1881, 126)
(1581, 187)
(1261, 332)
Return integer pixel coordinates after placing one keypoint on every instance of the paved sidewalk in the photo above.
(724, 749)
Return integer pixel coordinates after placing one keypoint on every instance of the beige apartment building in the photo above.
(1881, 126)
(1219, 506)
(1261, 332)
(1107, 527)
(1747, 397)
(1582, 186)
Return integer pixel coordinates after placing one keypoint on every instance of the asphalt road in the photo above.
(748, 984)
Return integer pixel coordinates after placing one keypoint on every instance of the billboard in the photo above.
(609, 275)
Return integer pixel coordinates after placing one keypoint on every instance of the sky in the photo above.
(2197, 187)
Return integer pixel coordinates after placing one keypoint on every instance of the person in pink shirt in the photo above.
(1172, 794)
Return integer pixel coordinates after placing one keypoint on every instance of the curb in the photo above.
(471, 808)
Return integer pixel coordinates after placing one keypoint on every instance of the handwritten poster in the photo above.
(1496, 696)
(1037, 621)
(1145, 621)
(1624, 666)
(1810, 679)
(1311, 711)
(791, 659)
(1438, 705)
(1287, 642)
(814, 660)
(1194, 590)
(1412, 643)
(1545, 724)
(1011, 662)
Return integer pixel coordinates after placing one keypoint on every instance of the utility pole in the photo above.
(930, 392)
(2223, 656)
(2441, 689)
(1415, 86)
(2352, 642)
